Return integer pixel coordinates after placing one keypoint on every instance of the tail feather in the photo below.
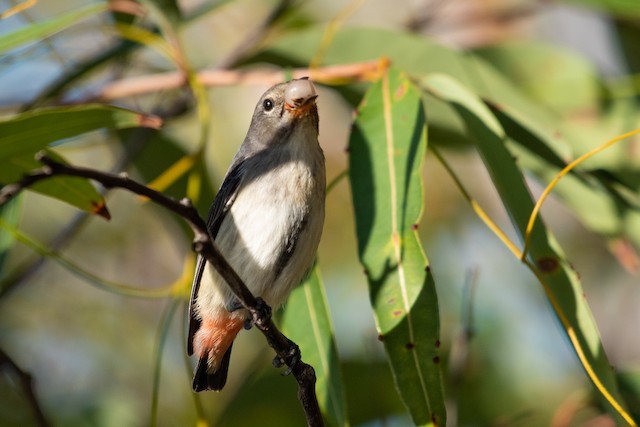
(204, 380)
(212, 345)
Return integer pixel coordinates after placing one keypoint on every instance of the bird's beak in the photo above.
(299, 97)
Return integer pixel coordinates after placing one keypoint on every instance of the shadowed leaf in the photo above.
(386, 149)
(307, 322)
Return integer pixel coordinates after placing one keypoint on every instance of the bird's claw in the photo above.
(262, 313)
(291, 359)
(248, 323)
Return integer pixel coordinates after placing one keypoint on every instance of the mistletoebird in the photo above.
(266, 219)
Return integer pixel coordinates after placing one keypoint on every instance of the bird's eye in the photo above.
(267, 104)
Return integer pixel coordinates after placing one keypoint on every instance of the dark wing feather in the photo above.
(220, 206)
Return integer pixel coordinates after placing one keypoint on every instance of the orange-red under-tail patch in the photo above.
(215, 336)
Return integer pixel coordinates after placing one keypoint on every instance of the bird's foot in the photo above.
(262, 313)
(291, 359)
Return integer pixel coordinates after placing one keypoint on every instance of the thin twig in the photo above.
(204, 245)
(133, 145)
(141, 85)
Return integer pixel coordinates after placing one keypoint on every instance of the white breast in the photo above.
(252, 236)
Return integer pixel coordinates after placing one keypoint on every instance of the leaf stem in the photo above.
(476, 206)
(563, 172)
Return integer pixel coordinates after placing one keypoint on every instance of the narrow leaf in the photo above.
(9, 213)
(41, 30)
(547, 262)
(22, 136)
(308, 323)
(387, 146)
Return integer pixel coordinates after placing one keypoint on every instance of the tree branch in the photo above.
(203, 244)
(219, 77)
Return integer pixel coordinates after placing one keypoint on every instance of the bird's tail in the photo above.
(212, 345)
(203, 380)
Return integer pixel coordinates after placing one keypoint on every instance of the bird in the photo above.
(266, 219)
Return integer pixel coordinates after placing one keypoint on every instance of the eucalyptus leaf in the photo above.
(37, 31)
(560, 282)
(386, 151)
(307, 322)
(23, 135)
(26, 134)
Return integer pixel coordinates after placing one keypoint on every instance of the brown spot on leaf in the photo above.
(400, 92)
(99, 208)
(409, 346)
(397, 313)
(547, 264)
(414, 227)
(380, 337)
(436, 359)
(437, 343)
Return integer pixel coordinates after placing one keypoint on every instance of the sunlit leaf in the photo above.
(40, 30)
(560, 282)
(22, 136)
(550, 75)
(307, 322)
(386, 150)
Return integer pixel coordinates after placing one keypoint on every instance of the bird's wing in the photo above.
(220, 206)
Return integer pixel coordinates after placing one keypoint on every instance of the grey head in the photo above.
(279, 111)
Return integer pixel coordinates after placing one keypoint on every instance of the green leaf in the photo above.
(546, 260)
(550, 75)
(78, 192)
(22, 136)
(308, 323)
(386, 150)
(41, 30)
(538, 141)
(9, 213)
(623, 8)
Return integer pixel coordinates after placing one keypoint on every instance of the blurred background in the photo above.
(93, 353)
